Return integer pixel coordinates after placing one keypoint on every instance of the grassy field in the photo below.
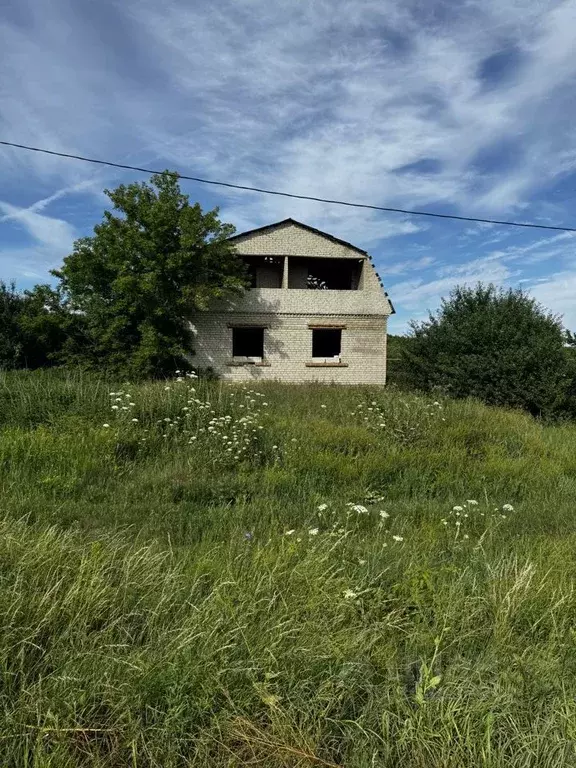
(194, 574)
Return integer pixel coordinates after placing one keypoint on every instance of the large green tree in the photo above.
(497, 345)
(152, 262)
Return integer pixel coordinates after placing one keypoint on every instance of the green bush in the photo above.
(498, 346)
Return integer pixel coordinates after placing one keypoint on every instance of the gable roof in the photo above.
(303, 226)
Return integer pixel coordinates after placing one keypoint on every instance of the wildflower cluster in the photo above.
(406, 420)
(461, 515)
(228, 431)
(121, 404)
(342, 521)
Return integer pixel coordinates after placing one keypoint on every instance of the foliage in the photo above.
(499, 346)
(397, 372)
(36, 328)
(149, 266)
(336, 593)
(10, 341)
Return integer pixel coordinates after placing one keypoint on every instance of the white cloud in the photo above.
(52, 237)
(558, 294)
(328, 109)
(49, 232)
(392, 267)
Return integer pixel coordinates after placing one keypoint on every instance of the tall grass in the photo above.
(330, 596)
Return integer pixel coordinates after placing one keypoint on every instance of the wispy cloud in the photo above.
(557, 293)
(49, 232)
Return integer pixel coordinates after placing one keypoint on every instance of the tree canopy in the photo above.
(151, 263)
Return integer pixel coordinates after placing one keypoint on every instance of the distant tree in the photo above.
(396, 344)
(36, 327)
(396, 361)
(10, 341)
(499, 346)
(567, 405)
(49, 329)
(145, 270)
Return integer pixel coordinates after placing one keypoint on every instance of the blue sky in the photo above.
(465, 108)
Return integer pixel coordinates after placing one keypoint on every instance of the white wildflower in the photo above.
(457, 509)
(398, 538)
(383, 514)
(361, 510)
(472, 502)
(508, 507)
(105, 425)
(322, 507)
(135, 420)
(115, 407)
(323, 406)
(349, 594)
(290, 532)
(313, 532)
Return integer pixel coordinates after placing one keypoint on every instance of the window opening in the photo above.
(248, 343)
(327, 344)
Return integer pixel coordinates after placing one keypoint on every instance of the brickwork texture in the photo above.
(287, 314)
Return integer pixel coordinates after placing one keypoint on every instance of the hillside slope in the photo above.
(297, 576)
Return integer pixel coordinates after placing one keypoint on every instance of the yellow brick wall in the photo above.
(288, 347)
(288, 312)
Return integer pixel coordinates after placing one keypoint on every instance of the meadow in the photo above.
(200, 574)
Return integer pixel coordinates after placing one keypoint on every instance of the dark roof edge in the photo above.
(304, 226)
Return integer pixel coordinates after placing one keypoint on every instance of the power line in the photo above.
(292, 194)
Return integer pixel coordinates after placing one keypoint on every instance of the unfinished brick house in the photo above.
(316, 311)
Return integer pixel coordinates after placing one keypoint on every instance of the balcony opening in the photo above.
(326, 344)
(248, 344)
(324, 274)
(265, 271)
